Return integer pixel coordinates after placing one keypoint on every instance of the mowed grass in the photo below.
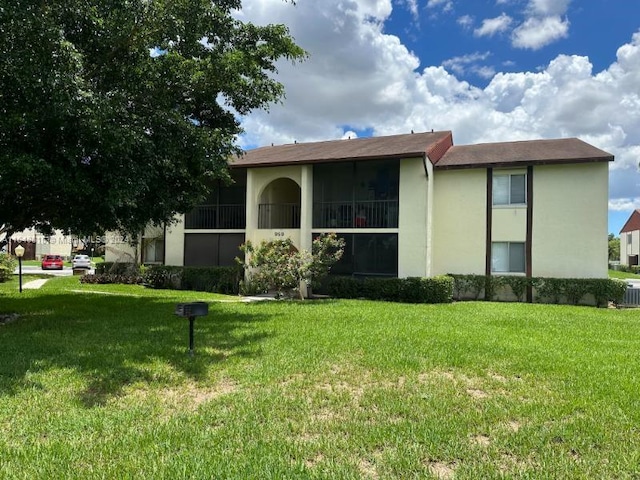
(623, 275)
(99, 385)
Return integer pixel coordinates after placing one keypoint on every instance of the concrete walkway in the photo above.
(34, 284)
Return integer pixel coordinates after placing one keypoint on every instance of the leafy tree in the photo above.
(614, 247)
(278, 265)
(118, 113)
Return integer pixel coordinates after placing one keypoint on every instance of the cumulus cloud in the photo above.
(491, 26)
(536, 33)
(359, 78)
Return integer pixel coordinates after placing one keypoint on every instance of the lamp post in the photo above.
(19, 251)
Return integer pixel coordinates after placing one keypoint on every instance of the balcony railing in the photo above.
(279, 215)
(359, 214)
(221, 217)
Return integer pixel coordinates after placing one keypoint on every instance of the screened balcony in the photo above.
(359, 214)
(278, 215)
(221, 217)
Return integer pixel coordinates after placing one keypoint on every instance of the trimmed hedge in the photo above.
(105, 278)
(204, 279)
(546, 290)
(406, 290)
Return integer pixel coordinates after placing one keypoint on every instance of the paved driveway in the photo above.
(66, 271)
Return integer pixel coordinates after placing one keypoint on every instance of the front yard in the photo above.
(99, 385)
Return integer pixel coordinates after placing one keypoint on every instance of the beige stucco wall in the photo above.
(459, 221)
(412, 221)
(174, 243)
(570, 220)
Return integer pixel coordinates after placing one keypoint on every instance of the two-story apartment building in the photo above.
(630, 240)
(413, 205)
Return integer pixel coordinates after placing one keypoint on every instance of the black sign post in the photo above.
(191, 311)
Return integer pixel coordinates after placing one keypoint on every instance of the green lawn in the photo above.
(99, 385)
(623, 275)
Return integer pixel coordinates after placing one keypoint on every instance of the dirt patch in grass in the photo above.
(441, 470)
(189, 396)
(481, 440)
(367, 469)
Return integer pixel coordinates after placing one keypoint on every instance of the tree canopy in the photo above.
(117, 113)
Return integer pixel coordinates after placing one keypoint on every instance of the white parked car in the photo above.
(81, 261)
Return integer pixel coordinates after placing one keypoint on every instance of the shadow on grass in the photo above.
(114, 341)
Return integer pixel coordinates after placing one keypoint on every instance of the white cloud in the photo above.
(412, 6)
(491, 26)
(360, 78)
(548, 7)
(462, 63)
(536, 33)
(466, 21)
(624, 204)
(445, 5)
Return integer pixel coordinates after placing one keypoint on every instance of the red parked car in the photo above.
(53, 262)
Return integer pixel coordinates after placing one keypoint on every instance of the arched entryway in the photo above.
(279, 205)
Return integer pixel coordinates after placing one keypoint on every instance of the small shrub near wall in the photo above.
(407, 290)
(7, 266)
(593, 291)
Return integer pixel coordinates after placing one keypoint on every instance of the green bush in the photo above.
(104, 278)
(163, 277)
(205, 279)
(468, 284)
(212, 279)
(547, 290)
(7, 267)
(407, 290)
(339, 286)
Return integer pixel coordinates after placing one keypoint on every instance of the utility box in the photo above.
(192, 310)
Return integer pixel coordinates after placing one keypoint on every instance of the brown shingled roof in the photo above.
(394, 146)
(532, 152)
(633, 223)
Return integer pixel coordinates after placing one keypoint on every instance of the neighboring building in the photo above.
(37, 244)
(413, 205)
(630, 240)
(148, 250)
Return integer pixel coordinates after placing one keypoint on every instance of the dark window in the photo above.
(212, 249)
(365, 254)
(356, 194)
(225, 208)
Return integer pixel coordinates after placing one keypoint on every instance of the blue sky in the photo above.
(488, 70)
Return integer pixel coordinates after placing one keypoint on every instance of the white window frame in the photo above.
(509, 267)
(509, 202)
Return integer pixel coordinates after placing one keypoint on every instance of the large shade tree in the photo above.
(117, 113)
